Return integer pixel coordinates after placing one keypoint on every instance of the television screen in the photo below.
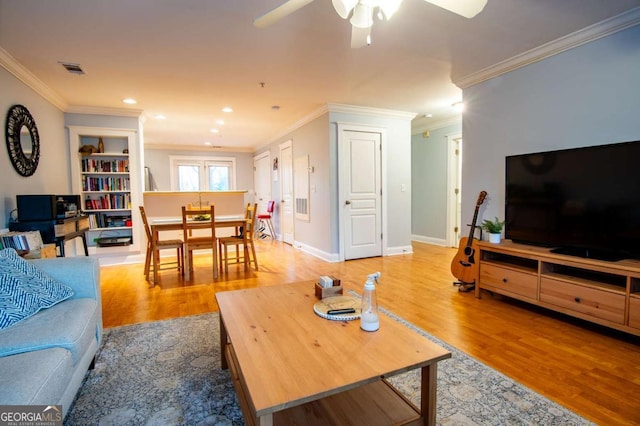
(583, 201)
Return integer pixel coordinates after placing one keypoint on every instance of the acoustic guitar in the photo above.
(463, 265)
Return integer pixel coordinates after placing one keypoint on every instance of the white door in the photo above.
(286, 191)
(262, 180)
(361, 197)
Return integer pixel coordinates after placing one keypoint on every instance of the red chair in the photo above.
(266, 218)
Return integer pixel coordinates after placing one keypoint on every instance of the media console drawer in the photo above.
(634, 312)
(522, 283)
(597, 303)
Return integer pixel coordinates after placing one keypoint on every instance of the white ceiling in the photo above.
(186, 59)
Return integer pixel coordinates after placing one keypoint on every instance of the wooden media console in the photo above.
(602, 292)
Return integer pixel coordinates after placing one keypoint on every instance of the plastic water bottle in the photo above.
(369, 320)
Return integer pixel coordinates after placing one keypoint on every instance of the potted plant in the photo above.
(494, 228)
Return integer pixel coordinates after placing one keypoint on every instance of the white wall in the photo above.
(158, 162)
(319, 139)
(429, 164)
(589, 95)
(396, 175)
(310, 139)
(52, 175)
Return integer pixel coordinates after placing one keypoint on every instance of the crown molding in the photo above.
(435, 125)
(588, 34)
(91, 110)
(377, 112)
(15, 68)
(340, 108)
(201, 148)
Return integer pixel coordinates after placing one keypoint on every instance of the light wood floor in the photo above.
(591, 370)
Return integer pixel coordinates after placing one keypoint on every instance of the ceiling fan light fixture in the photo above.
(362, 16)
(344, 7)
(466, 8)
(389, 7)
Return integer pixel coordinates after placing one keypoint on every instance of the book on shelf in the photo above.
(21, 240)
(104, 220)
(92, 165)
(91, 183)
(108, 202)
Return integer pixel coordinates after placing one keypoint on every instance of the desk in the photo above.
(175, 224)
(57, 231)
(288, 363)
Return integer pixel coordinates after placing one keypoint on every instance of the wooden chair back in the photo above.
(198, 240)
(245, 240)
(153, 259)
(147, 228)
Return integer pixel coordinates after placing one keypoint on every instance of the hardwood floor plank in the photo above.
(589, 369)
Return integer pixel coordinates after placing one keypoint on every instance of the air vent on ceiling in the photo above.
(72, 68)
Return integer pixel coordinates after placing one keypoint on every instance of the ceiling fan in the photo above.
(363, 11)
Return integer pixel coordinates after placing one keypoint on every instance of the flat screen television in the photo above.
(583, 201)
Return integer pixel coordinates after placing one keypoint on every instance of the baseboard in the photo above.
(120, 259)
(430, 240)
(394, 251)
(327, 257)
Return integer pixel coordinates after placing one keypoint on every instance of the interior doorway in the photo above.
(454, 189)
(286, 191)
(262, 180)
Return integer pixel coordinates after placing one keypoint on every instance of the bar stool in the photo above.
(266, 218)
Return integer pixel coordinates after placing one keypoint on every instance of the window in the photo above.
(202, 173)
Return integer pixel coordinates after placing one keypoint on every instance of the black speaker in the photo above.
(47, 207)
(36, 207)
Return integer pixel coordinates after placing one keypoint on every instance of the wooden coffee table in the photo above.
(291, 366)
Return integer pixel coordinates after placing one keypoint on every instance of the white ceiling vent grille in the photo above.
(72, 68)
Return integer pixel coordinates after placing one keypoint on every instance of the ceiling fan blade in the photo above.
(279, 12)
(466, 8)
(359, 37)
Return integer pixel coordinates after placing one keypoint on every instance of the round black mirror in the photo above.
(23, 142)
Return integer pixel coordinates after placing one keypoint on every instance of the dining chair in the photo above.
(265, 218)
(197, 240)
(154, 257)
(244, 240)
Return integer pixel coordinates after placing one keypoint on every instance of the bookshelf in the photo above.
(109, 186)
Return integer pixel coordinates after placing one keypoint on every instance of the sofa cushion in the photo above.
(25, 289)
(38, 377)
(72, 325)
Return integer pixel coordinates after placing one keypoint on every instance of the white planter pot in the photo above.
(494, 238)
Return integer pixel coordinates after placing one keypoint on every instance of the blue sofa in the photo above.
(44, 358)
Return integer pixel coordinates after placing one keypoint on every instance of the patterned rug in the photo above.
(168, 373)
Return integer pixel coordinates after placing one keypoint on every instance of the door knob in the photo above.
(347, 202)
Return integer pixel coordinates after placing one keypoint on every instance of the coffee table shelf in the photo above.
(377, 403)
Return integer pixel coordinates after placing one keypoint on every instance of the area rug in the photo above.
(168, 373)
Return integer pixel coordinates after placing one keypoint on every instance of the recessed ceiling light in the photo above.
(215, 131)
(220, 122)
(207, 143)
(130, 101)
(227, 109)
(160, 117)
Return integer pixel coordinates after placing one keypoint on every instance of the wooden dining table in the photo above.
(175, 224)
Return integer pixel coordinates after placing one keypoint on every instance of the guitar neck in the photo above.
(473, 226)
